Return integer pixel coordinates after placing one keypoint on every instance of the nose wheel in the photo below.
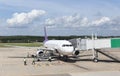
(65, 57)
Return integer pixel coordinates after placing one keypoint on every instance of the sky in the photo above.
(61, 17)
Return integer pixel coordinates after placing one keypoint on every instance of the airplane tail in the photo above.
(45, 38)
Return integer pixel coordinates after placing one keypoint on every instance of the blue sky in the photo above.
(62, 17)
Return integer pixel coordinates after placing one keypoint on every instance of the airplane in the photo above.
(64, 49)
(59, 48)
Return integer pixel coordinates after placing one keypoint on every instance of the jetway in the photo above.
(96, 45)
(79, 44)
(88, 44)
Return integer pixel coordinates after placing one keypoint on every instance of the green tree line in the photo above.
(30, 39)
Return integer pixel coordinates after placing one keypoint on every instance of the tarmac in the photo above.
(12, 64)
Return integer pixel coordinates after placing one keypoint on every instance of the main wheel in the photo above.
(65, 57)
(95, 60)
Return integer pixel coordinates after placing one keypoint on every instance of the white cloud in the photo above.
(85, 22)
(77, 21)
(20, 19)
(68, 21)
(50, 21)
(72, 21)
(101, 21)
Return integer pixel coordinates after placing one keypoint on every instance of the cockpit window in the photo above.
(66, 45)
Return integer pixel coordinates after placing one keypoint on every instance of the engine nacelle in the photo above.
(39, 52)
(76, 52)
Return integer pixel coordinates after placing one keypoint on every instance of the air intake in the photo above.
(76, 52)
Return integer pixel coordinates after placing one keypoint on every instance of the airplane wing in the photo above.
(47, 54)
(46, 49)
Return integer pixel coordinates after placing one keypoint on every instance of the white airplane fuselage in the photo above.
(63, 47)
(60, 47)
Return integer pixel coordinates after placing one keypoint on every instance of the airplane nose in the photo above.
(68, 51)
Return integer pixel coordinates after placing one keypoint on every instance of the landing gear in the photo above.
(38, 59)
(65, 57)
(95, 60)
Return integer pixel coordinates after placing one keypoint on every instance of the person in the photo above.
(33, 62)
(49, 59)
(25, 62)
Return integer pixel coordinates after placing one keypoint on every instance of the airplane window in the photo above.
(63, 45)
(66, 45)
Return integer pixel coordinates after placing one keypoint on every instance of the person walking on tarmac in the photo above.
(33, 62)
(49, 59)
(25, 62)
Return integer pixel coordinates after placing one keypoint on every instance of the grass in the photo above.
(21, 44)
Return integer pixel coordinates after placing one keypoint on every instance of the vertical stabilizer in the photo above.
(46, 38)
